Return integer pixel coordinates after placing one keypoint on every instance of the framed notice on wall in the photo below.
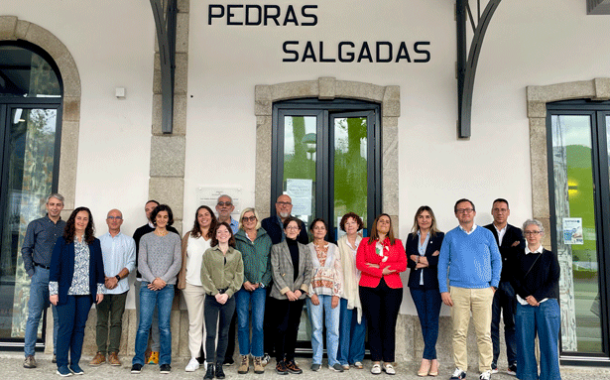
(572, 231)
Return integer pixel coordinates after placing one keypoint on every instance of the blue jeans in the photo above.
(72, 320)
(323, 315)
(162, 299)
(351, 335)
(544, 320)
(428, 304)
(245, 300)
(39, 300)
(504, 304)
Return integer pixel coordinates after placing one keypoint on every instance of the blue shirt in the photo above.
(234, 226)
(474, 260)
(118, 252)
(39, 241)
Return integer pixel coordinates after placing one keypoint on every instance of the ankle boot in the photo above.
(219, 372)
(209, 374)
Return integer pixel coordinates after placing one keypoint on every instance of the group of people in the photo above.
(258, 275)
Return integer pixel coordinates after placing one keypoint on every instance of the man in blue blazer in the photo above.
(508, 237)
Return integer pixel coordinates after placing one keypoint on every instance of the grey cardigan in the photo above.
(283, 271)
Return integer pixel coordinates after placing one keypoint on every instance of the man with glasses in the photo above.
(224, 208)
(475, 264)
(153, 357)
(119, 255)
(274, 225)
(507, 237)
(37, 249)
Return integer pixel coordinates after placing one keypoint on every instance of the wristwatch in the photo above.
(118, 278)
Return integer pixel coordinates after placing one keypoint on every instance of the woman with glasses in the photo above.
(352, 326)
(381, 258)
(255, 247)
(292, 271)
(159, 261)
(222, 274)
(325, 292)
(536, 283)
(76, 280)
(194, 244)
(423, 247)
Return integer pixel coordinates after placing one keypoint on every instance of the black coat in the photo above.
(507, 251)
(274, 230)
(430, 273)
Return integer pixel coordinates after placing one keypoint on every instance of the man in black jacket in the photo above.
(508, 237)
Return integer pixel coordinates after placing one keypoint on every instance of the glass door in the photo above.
(30, 142)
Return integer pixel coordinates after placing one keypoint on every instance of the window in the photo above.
(30, 119)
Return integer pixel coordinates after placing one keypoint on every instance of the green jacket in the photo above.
(256, 256)
(216, 274)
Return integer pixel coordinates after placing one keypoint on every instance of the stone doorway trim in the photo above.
(328, 88)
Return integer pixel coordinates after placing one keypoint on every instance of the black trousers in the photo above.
(214, 313)
(380, 305)
(287, 319)
(268, 325)
(231, 340)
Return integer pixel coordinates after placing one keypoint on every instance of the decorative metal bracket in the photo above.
(164, 12)
(466, 69)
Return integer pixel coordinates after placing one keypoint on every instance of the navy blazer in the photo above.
(508, 252)
(430, 273)
(62, 267)
(272, 226)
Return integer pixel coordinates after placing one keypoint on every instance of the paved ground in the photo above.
(12, 368)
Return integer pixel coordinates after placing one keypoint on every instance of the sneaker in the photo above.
(153, 358)
(376, 370)
(389, 369)
(98, 359)
(293, 367)
(29, 362)
(281, 368)
(336, 367)
(485, 375)
(259, 368)
(192, 366)
(494, 367)
(219, 372)
(113, 359)
(266, 359)
(54, 360)
(244, 367)
(358, 365)
(136, 368)
(458, 374)
(63, 371)
(512, 369)
(316, 367)
(345, 367)
(165, 368)
(209, 373)
(76, 369)
(228, 362)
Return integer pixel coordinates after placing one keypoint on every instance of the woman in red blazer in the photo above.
(381, 258)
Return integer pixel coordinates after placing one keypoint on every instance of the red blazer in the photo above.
(397, 260)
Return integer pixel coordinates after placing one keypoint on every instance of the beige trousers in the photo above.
(194, 296)
(477, 301)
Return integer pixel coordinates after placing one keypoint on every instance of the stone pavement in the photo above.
(12, 369)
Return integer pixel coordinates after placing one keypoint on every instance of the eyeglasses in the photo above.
(464, 210)
(115, 217)
(221, 204)
(292, 228)
(283, 203)
(248, 218)
(532, 232)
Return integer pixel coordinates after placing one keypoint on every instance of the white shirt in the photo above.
(527, 252)
(501, 234)
(474, 227)
(195, 249)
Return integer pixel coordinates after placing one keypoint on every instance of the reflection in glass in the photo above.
(24, 73)
(574, 198)
(31, 147)
(350, 169)
(300, 165)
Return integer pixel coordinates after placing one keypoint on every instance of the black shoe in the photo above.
(136, 368)
(219, 372)
(209, 374)
(165, 368)
(512, 369)
(281, 368)
(201, 359)
(229, 362)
